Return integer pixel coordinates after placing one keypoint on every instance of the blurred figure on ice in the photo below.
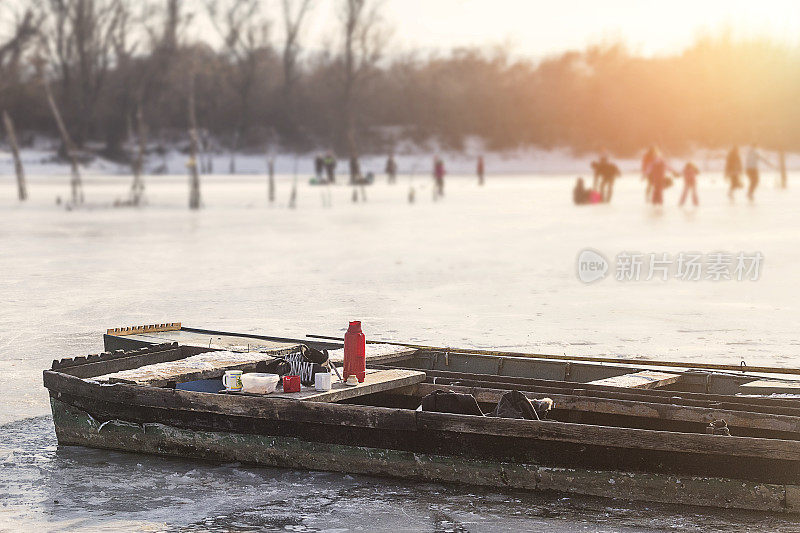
(690, 172)
(355, 171)
(608, 172)
(782, 166)
(647, 159)
(733, 169)
(480, 170)
(751, 168)
(319, 167)
(581, 195)
(438, 176)
(391, 169)
(657, 170)
(330, 167)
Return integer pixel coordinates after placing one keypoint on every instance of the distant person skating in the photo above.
(595, 175)
(438, 176)
(658, 172)
(480, 170)
(690, 172)
(647, 159)
(608, 172)
(782, 167)
(319, 168)
(355, 171)
(751, 168)
(330, 167)
(733, 170)
(391, 169)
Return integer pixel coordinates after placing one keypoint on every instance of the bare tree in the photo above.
(76, 184)
(78, 37)
(23, 30)
(362, 48)
(24, 27)
(244, 29)
(294, 14)
(22, 190)
(137, 186)
(194, 145)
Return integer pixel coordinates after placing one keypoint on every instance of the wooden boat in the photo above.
(623, 430)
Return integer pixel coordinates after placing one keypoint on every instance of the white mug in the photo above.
(322, 381)
(232, 380)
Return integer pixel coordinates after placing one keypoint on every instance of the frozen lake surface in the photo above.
(491, 267)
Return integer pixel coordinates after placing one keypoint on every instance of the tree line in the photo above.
(120, 71)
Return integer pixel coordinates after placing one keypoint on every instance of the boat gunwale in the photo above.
(291, 410)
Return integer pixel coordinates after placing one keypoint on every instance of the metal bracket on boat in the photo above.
(151, 328)
(742, 365)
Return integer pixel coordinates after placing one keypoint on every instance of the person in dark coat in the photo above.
(733, 170)
(607, 172)
(319, 167)
(438, 175)
(330, 167)
(391, 169)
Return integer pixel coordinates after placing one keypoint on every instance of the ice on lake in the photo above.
(487, 267)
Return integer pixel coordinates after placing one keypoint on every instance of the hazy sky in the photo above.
(538, 27)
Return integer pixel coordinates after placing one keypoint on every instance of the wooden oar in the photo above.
(592, 359)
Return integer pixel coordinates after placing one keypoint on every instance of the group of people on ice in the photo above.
(733, 170)
(325, 168)
(325, 171)
(659, 175)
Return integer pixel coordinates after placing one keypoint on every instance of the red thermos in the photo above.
(355, 351)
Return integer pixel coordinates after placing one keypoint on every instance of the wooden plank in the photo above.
(150, 328)
(263, 407)
(547, 387)
(376, 381)
(612, 436)
(645, 379)
(117, 364)
(768, 386)
(79, 428)
(701, 415)
(365, 416)
(207, 365)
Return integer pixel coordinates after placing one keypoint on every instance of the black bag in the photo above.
(514, 404)
(445, 401)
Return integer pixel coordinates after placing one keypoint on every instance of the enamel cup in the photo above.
(232, 380)
(322, 381)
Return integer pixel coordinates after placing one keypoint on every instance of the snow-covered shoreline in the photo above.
(41, 160)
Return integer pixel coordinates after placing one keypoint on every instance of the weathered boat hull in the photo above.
(77, 427)
(648, 465)
(603, 440)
